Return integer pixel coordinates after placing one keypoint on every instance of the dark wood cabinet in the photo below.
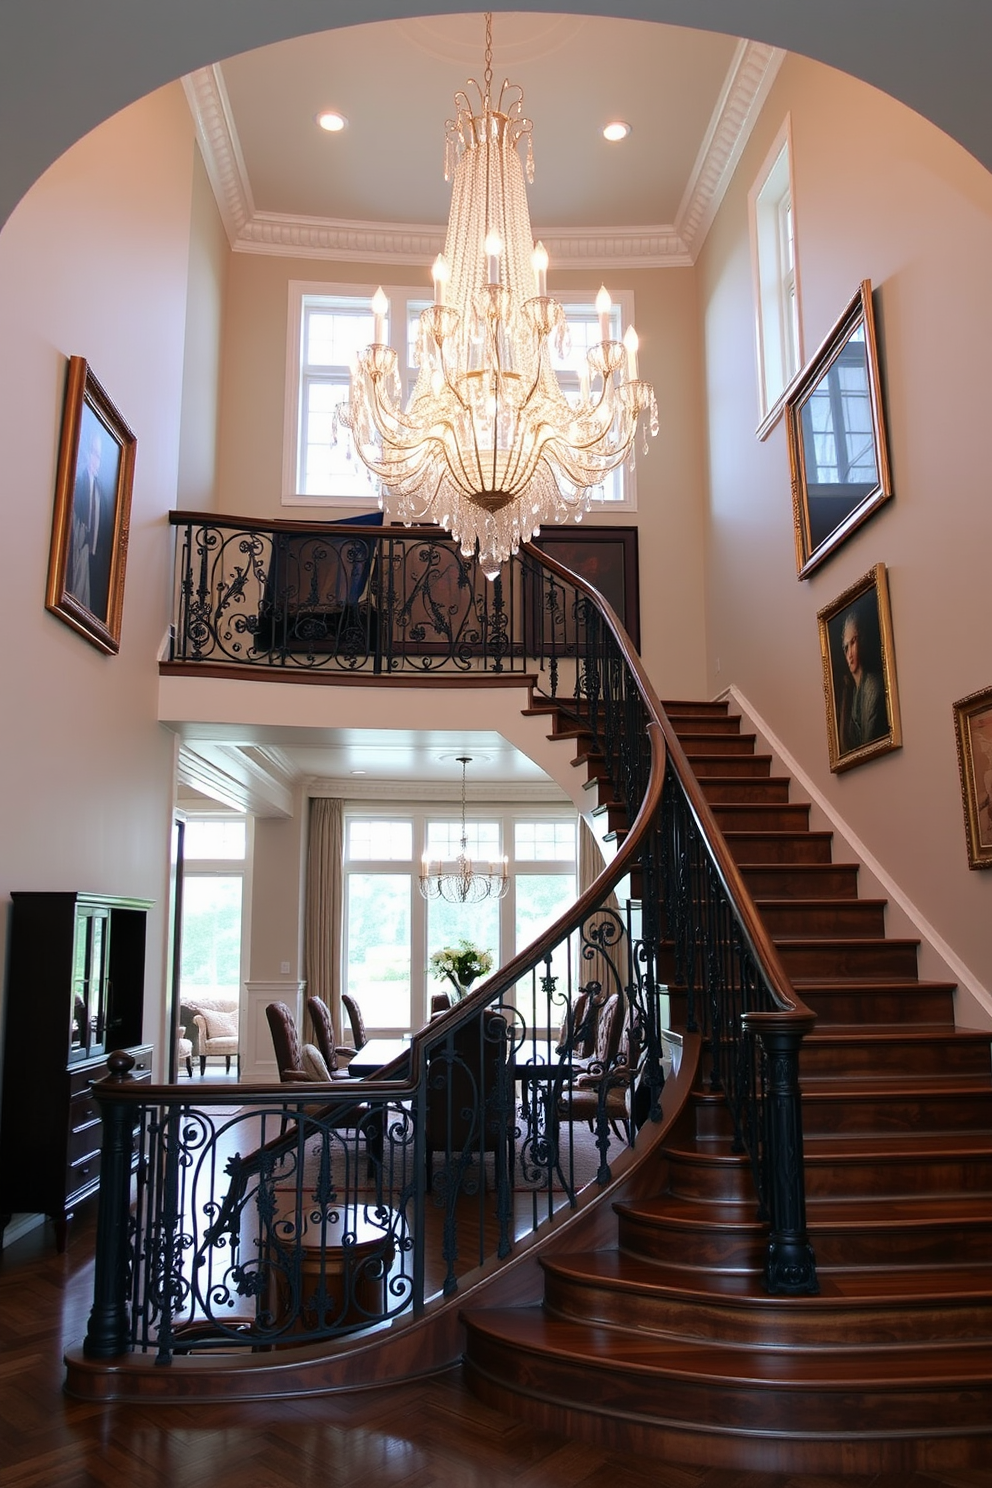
(75, 992)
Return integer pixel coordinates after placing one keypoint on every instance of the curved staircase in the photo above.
(667, 1343)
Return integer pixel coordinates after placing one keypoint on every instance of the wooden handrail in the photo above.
(760, 942)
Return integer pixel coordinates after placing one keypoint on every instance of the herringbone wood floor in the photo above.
(433, 1433)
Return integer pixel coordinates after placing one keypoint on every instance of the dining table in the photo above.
(374, 1055)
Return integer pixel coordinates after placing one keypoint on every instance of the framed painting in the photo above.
(92, 512)
(859, 675)
(973, 726)
(838, 453)
(605, 557)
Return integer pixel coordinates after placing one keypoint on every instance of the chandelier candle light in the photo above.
(460, 881)
(488, 445)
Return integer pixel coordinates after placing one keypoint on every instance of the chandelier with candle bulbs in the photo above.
(459, 880)
(488, 445)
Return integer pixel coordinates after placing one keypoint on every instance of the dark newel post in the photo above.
(109, 1331)
(790, 1266)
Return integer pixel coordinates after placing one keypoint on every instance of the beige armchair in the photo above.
(217, 1034)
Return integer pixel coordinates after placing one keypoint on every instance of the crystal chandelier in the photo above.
(460, 881)
(488, 445)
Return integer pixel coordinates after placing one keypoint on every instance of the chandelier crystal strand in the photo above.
(488, 445)
(459, 881)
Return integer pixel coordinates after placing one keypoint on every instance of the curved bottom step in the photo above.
(777, 1410)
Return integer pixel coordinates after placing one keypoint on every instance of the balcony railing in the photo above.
(310, 1212)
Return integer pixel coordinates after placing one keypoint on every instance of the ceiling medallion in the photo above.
(488, 445)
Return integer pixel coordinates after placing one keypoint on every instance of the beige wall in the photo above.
(670, 513)
(209, 257)
(93, 262)
(879, 194)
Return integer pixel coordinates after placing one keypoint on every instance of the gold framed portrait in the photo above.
(973, 728)
(90, 523)
(859, 673)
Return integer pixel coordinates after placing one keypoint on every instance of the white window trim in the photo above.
(771, 312)
(227, 868)
(299, 289)
(397, 294)
(419, 812)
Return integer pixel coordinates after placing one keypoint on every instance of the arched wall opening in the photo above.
(65, 67)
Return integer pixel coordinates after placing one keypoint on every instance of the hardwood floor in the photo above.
(430, 1433)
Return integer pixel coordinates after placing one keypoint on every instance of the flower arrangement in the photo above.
(461, 964)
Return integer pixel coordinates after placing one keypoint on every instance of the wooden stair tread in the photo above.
(855, 940)
(900, 1286)
(596, 1347)
(879, 1212)
(918, 1033)
(889, 1087)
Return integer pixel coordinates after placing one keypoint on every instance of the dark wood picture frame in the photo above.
(838, 452)
(605, 557)
(90, 523)
(859, 674)
(973, 729)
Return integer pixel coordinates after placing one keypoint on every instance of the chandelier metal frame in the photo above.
(458, 880)
(488, 445)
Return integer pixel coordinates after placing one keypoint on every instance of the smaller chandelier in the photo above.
(459, 880)
(487, 444)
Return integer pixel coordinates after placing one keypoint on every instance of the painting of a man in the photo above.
(91, 538)
(859, 676)
(862, 715)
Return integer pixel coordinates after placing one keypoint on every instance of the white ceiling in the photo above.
(395, 82)
(284, 185)
(376, 190)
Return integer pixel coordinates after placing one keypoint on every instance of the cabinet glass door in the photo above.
(89, 986)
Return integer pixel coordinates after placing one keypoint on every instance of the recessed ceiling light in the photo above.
(618, 130)
(332, 121)
(359, 772)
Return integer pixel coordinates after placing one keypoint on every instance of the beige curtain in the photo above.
(324, 898)
(591, 864)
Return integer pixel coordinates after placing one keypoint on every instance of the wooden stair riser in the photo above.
(702, 725)
(720, 1178)
(836, 958)
(915, 1174)
(755, 817)
(801, 880)
(680, 1311)
(885, 1248)
(680, 708)
(880, 1114)
(701, 1248)
(899, 1003)
(860, 919)
(862, 959)
(677, 1390)
(615, 817)
(723, 766)
(779, 847)
(714, 743)
(886, 1056)
(721, 792)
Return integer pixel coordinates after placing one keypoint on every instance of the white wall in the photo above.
(670, 515)
(879, 194)
(93, 262)
(209, 256)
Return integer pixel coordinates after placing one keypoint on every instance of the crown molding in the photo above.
(677, 245)
(494, 792)
(748, 83)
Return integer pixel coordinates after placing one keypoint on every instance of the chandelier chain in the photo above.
(489, 59)
(487, 443)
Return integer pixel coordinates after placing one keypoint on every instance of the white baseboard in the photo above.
(939, 961)
(20, 1225)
